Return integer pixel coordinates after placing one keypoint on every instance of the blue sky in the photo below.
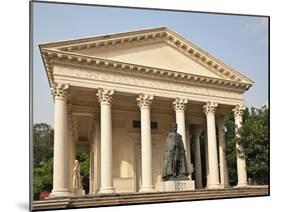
(239, 41)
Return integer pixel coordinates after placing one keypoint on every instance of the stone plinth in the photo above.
(178, 185)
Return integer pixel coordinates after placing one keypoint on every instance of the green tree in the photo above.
(43, 139)
(43, 177)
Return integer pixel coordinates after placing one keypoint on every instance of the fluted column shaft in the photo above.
(144, 102)
(104, 97)
(240, 155)
(61, 154)
(213, 181)
(223, 162)
(198, 168)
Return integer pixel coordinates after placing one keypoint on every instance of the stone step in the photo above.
(155, 197)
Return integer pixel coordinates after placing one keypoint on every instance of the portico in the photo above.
(116, 97)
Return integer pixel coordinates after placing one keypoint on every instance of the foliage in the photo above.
(43, 139)
(43, 177)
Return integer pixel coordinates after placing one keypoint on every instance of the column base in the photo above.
(225, 185)
(107, 190)
(239, 185)
(214, 186)
(60, 193)
(147, 189)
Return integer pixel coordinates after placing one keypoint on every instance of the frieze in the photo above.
(139, 81)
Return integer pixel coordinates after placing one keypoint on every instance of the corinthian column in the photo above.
(198, 168)
(61, 155)
(222, 149)
(213, 180)
(240, 154)
(144, 102)
(179, 107)
(104, 97)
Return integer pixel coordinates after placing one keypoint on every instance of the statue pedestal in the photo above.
(178, 185)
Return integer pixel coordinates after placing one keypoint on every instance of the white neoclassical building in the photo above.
(116, 96)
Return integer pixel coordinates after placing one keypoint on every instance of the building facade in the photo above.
(116, 96)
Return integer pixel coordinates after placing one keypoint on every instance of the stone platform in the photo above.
(144, 198)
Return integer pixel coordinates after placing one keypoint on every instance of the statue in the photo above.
(77, 178)
(175, 164)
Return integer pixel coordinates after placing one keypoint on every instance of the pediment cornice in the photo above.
(150, 35)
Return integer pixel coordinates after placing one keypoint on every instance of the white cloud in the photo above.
(259, 31)
(261, 25)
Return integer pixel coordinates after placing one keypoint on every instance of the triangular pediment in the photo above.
(157, 55)
(158, 48)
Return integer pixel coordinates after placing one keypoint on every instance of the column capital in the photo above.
(179, 104)
(210, 107)
(238, 110)
(144, 100)
(105, 95)
(60, 90)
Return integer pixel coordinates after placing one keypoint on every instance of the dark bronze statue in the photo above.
(175, 165)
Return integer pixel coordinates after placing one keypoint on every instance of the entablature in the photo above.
(129, 83)
(93, 63)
